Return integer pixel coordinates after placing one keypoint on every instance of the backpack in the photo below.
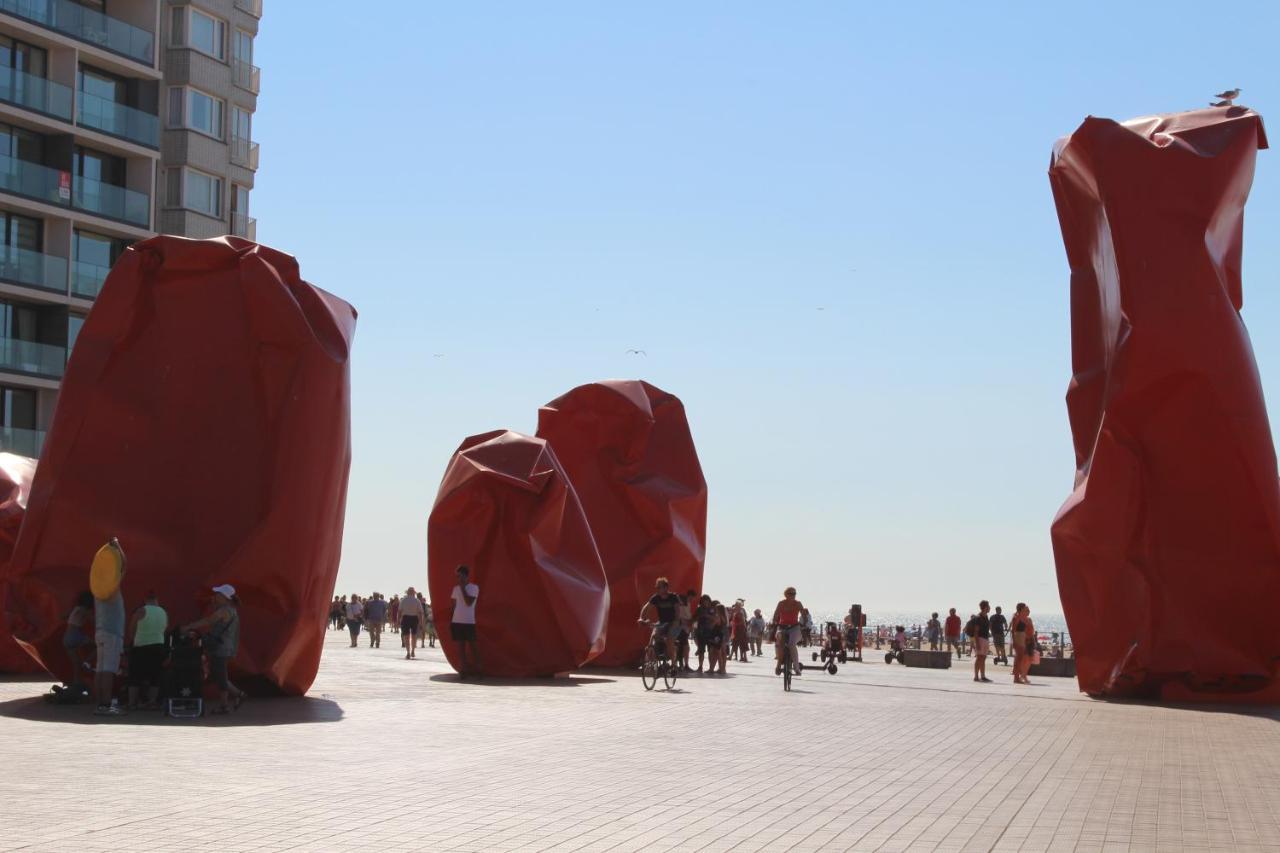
(971, 629)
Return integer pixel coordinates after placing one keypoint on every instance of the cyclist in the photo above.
(663, 609)
(786, 617)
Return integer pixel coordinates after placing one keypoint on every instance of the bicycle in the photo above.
(789, 661)
(656, 663)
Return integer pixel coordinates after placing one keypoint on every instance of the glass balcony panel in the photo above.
(35, 93)
(244, 152)
(87, 279)
(34, 180)
(24, 442)
(243, 225)
(247, 75)
(112, 201)
(31, 357)
(118, 119)
(34, 269)
(87, 25)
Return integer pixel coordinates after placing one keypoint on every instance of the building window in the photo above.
(74, 323)
(21, 232)
(242, 46)
(21, 144)
(241, 124)
(202, 193)
(205, 33)
(17, 408)
(19, 56)
(96, 166)
(195, 110)
(102, 85)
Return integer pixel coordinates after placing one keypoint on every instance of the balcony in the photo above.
(87, 279)
(33, 269)
(35, 181)
(244, 225)
(24, 442)
(253, 7)
(89, 26)
(118, 119)
(244, 152)
(244, 74)
(35, 93)
(31, 357)
(112, 201)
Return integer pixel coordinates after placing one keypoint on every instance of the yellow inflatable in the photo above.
(107, 571)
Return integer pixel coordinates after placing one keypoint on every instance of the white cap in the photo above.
(225, 589)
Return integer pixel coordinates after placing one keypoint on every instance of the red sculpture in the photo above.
(506, 510)
(16, 473)
(1174, 523)
(627, 449)
(204, 419)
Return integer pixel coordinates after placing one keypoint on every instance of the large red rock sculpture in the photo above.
(204, 419)
(16, 474)
(627, 449)
(506, 509)
(1168, 550)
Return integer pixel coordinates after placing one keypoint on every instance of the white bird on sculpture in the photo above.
(1228, 96)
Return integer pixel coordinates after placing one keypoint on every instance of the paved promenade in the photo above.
(389, 754)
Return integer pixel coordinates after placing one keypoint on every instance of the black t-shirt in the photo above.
(998, 624)
(983, 626)
(666, 606)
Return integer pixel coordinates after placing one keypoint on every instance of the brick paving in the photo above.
(389, 755)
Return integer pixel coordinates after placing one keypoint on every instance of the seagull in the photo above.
(437, 355)
(1229, 95)
(1220, 104)
(636, 352)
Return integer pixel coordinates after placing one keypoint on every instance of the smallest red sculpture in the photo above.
(16, 474)
(507, 510)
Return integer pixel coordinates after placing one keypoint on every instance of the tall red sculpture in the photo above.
(1168, 550)
(204, 419)
(627, 449)
(16, 474)
(506, 509)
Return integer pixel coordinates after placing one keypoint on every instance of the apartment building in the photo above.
(109, 133)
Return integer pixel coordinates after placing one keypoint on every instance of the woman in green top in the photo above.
(147, 651)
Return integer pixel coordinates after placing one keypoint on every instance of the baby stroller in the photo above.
(833, 648)
(896, 647)
(183, 684)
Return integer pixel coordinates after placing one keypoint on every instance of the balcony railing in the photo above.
(111, 201)
(253, 7)
(246, 75)
(35, 93)
(244, 152)
(244, 225)
(33, 269)
(87, 279)
(35, 181)
(24, 442)
(31, 357)
(118, 119)
(87, 25)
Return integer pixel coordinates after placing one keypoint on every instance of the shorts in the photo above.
(789, 633)
(667, 630)
(955, 640)
(462, 632)
(145, 663)
(218, 672)
(981, 646)
(110, 649)
(998, 639)
(409, 624)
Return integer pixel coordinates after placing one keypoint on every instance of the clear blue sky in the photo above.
(531, 189)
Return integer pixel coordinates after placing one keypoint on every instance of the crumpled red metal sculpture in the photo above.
(627, 449)
(16, 474)
(506, 509)
(204, 419)
(1174, 523)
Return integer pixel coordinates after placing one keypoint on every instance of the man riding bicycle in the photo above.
(663, 609)
(786, 619)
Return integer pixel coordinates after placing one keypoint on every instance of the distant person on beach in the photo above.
(430, 632)
(336, 612)
(1024, 639)
(147, 651)
(393, 614)
(755, 633)
(933, 633)
(462, 625)
(719, 640)
(375, 616)
(703, 617)
(355, 617)
(738, 621)
(952, 633)
(999, 625)
(410, 622)
(981, 642)
(684, 612)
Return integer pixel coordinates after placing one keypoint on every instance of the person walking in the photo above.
(462, 625)
(147, 651)
(933, 633)
(410, 622)
(221, 628)
(355, 617)
(981, 642)
(755, 632)
(393, 614)
(999, 625)
(375, 617)
(952, 633)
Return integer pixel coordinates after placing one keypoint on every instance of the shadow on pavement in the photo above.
(490, 681)
(281, 711)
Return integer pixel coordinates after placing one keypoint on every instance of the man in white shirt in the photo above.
(410, 621)
(462, 627)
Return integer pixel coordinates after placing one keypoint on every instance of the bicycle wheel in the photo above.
(649, 671)
(669, 675)
(786, 669)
